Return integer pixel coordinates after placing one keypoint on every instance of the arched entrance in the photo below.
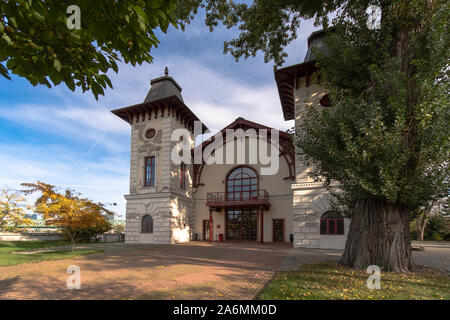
(242, 222)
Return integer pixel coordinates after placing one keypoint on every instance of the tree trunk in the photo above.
(419, 235)
(378, 235)
(72, 239)
(420, 229)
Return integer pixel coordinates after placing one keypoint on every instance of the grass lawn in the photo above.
(8, 258)
(329, 281)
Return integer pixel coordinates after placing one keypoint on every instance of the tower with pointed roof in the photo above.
(299, 88)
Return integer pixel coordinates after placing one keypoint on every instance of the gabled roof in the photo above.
(286, 146)
(241, 123)
(244, 124)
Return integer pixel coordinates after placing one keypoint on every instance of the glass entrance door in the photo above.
(242, 224)
(205, 229)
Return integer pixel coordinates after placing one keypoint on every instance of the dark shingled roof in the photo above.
(316, 40)
(163, 99)
(163, 87)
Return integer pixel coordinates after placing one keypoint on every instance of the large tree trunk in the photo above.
(378, 235)
(72, 239)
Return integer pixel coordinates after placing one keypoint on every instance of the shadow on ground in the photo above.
(185, 271)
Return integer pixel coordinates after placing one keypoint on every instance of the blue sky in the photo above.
(71, 140)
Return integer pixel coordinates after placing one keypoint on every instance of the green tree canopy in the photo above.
(35, 42)
(265, 25)
(387, 135)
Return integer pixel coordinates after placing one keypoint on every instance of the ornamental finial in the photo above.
(166, 71)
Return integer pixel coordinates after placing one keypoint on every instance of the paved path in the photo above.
(186, 271)
(196, 270)
(436, 255)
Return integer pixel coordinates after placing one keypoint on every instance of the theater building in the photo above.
(223, 194)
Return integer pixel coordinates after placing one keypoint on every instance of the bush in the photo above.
(119, 228)
(435, 236)
(435, 224)
(85, 234)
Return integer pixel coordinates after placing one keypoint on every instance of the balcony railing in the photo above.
(224, 199)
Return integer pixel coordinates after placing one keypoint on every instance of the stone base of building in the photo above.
(171, 219)
(310, 201)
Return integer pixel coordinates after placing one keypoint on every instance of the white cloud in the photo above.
(102, 180)
(206, 92)
(74, 123)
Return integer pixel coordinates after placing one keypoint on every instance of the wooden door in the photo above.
(278, 230)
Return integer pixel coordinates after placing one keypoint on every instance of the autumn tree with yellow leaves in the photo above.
(12, 209)
(67, 210)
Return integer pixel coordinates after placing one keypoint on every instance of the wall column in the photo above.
(224, 224)
(210, 225)
(261, 213)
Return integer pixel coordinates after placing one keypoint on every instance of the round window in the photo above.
(150, 133)
(325, 101)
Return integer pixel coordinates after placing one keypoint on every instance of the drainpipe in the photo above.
(210, 225)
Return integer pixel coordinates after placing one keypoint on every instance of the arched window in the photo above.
(331, 223)
(242, 184)
(147, 224)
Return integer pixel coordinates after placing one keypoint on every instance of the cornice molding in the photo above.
(315, 184)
